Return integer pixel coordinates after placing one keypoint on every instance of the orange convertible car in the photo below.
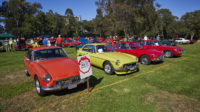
(51, 69)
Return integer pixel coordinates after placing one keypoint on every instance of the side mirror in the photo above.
(27, 59)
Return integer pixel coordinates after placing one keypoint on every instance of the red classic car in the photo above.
(169, 51)
(110, 42)
(51, 69)
(71, 43)
(23, 47)
(100, 39)
(145, 56)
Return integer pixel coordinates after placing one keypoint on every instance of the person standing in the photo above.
(6, 43)
(44, 42)
(145, 37)
(59, 41)
(52, 41)
(10, 44)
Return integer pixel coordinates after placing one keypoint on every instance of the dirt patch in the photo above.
(166, 101)
(13, 78)
(30, 101)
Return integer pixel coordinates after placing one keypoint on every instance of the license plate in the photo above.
(72, 86)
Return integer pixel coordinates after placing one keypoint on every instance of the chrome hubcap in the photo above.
(107, 68)
(37, 86)
(167, 54)
(144, 60)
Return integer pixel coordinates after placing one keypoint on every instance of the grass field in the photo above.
(171, 86)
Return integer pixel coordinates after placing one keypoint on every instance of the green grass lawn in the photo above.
(169, 86)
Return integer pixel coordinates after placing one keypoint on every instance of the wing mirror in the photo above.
(27, 59)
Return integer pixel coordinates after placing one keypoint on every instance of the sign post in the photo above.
(85, 68)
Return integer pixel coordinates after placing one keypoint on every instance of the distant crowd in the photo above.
(22, 43)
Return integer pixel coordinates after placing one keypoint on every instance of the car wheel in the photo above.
(145, 60)
(39, 90)
(27, 74)
(137, 70)
(108, 68)
(168, 54)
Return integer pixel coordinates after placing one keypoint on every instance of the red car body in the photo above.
(191, 41)
(169, 51)
(51, 67)
(110, 42)
(23, 47)
(70, 43)
(135, 49)
(100, 39)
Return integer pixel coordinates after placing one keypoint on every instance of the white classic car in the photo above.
(182, 41)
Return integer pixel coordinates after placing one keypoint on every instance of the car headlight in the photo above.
(117, 62)
(153, 55)
(46, 78)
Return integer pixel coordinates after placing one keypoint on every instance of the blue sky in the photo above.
(87, 8)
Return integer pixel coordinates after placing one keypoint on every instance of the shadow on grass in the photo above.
(93, 82)
(156, 63)
(129, 73)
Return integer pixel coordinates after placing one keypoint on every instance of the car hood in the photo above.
(148, 51)
(60, 68)
(171, 47)
(122, 57)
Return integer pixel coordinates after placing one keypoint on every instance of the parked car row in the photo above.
(53, 70)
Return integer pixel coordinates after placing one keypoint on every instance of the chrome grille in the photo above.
(67, 80)
(128, 66)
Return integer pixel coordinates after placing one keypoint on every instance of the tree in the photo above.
(166, 19)
(41, 23)
(71, 24)
(191, 21)
(69, 12)
(99, 20)
(14, 13)
(129, 16)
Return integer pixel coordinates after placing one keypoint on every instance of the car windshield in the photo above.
(104, 48)
(134, 45)
(109, 42)
(69, 41)
(157, 43)
(49, 54)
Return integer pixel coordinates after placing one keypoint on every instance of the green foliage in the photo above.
(191, 21)
(16, 14)
(132, 17)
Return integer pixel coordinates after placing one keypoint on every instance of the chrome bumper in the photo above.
(63, 86)
(159, 58)
(128, 67)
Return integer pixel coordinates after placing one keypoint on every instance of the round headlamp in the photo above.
(153, 55)
(46, 78)
(117, 62)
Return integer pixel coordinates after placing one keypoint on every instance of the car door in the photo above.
(151, 45)
(28, 61)
(125, 48)
(118, 48)
(144, 44)
(89, 50)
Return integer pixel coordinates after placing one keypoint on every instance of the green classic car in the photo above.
(104, 56)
